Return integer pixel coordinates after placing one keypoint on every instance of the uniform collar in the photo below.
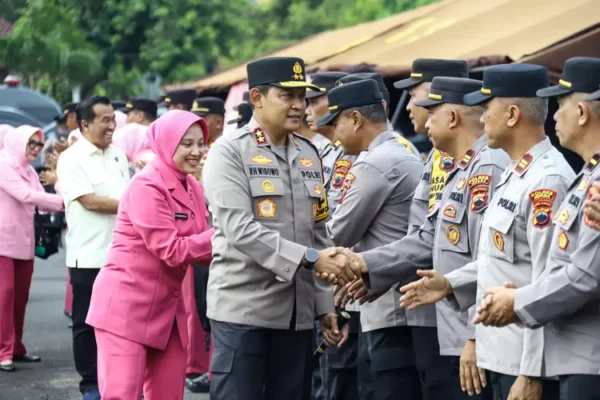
(529, 158)
(262, 139)
(173, 183)
(88, 148)
(470, 154)
(382, 137)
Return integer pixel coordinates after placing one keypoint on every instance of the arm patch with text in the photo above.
(542, 200)
(347, 184)
(479, 185)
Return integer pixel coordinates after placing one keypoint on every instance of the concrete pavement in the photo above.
(47, 335)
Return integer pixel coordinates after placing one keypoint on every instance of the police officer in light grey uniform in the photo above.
(566, 296)
(374, 210)
(265, 187)
(516, 229)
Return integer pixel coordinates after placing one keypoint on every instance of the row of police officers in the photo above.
(363, 225)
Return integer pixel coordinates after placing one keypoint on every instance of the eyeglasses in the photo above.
(32, 144)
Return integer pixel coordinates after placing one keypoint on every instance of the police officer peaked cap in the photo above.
(593, 96)
(449, 90)
(425, 69)
(140, 104)
(351, 95)
(208, 105)
(283, 72)
(365, 75)
(245, 99)
(509, 80)
(580, 74)
(325, 81)
(244, 115)
(181, 96)
(118, 104)
(67, 109)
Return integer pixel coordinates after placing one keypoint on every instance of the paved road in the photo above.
(47, 335)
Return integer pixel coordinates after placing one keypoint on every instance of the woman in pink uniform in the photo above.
(136, 308)
(20, 193)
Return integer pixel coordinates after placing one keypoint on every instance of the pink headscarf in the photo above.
(3, 130)
(14, 152)
(166, 132)
(120, 119)
(132, 140)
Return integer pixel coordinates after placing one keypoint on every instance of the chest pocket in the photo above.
(317, 200)
(502, 234)
(266, 194)
(106, 177)
(453, 232)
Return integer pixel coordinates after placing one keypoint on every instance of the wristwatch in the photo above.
(310, 258)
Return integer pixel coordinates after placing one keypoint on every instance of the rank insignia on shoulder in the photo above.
(261, 160)
(305, 162)
(582, 184)
(321, 209)
(523, 164)
(447, 163)
(339, 174)
(467, 158)
(591, 165)
(450, 211)
(542, 200)
(461, 183)
(337, 143)
(453, 234)
(499, 241)
(259, 137)
(479, 185)
(563, 241)
(347, 184)
(266, 208)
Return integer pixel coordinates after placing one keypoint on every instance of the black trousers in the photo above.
(318, 366)
(501, 384)
(84, 339)
(580, 387)
(251, 363)
(340, 370)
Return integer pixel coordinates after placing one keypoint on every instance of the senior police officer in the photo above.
(516, 230)
(566, 298)
(265, 186)
(181, 99)
(374, 210)
(212, 109)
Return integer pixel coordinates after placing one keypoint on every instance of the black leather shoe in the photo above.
(200, 384)
(7, 368)
(27, 358)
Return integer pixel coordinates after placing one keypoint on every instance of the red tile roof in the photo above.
(5, 27)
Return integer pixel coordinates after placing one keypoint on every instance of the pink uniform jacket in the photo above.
(161, 228)
(20, 193)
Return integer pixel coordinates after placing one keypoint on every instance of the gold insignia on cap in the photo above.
(268, 186)
(564, 83)
(435, 96)
(200, 109)
(66, 111)
(339, 83)
(333, 108)
(129, 105)
(298, 71)
(486, 91)
(416, 75)
(167, 99)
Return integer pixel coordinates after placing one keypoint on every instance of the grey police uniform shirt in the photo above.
(516, 234)
(374, 210)
(405, 142)
(336, 165)
(269, 206)
(566, 296)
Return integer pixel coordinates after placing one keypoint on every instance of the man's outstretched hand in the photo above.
(431, 288)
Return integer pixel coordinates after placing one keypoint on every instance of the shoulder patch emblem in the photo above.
(467, 158)
(591, 165)
(447, 163)
(453, 234)
(461, 183)
(305, 162)
(339, 174)
(450, 211)
(499, 241)
(267, 208)
(259, 137)
(542, 200)
(563, 241)
(523, 163)
(347, 184)
(479, 185)
(261, 160)
(321, 209)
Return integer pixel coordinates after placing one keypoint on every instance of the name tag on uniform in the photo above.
(181, 216)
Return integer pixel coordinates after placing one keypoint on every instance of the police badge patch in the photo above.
(542, 200)
(339, 174)
(479, 185)
(347, 184)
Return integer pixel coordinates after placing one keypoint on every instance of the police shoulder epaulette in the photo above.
(467, 158)
(523, 164)
(260, 137)
(593, 163)
(337, 144)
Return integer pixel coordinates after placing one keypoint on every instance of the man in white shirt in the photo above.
(93, 175)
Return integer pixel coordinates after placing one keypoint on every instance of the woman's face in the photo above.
(34, 147)
(190, 150)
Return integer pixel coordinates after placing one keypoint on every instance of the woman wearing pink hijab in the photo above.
(20, 193)
(132, 139)
(137, 308)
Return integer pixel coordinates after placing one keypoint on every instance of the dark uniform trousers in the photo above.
(318, 390)
(252, 363)
(501, 384)
(580, 387)
(84, 338)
